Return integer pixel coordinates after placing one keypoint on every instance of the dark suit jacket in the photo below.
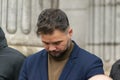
(80, 66)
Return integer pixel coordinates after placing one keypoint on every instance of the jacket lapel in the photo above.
(44, 68)
(70, 64)
(66, 70)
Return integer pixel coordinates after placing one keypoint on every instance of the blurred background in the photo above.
(96, 25)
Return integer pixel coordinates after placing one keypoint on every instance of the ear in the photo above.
(70, 32)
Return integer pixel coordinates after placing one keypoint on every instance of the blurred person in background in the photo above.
(11, 60)
(115, 70)
(62, 58)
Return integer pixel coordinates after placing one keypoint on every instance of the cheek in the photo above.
(62, 46)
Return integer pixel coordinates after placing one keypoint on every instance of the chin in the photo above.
(56, 55)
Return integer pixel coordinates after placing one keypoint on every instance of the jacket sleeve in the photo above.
(23, 72)
(18, 64)
(95, 67)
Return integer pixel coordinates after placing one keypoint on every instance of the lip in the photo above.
(54, 52)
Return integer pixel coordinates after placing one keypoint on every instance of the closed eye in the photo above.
(45, 43)
(57, 43)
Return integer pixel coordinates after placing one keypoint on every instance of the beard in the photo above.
(59, 54)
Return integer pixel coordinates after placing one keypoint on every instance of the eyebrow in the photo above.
(57, 42)
(45, 42)
(52, 42)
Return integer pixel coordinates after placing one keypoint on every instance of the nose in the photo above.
(51, 48)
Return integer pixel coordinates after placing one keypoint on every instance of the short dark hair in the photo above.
(50, 20)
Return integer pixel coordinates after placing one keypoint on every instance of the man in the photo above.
(115, 70)
(62, 58)
(10, 60)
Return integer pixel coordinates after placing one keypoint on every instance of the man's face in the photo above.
(57, 42)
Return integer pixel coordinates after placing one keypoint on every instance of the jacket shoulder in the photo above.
(36, 56)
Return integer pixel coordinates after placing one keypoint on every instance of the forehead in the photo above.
(55, 36)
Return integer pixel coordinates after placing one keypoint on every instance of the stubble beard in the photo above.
(59, 54)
